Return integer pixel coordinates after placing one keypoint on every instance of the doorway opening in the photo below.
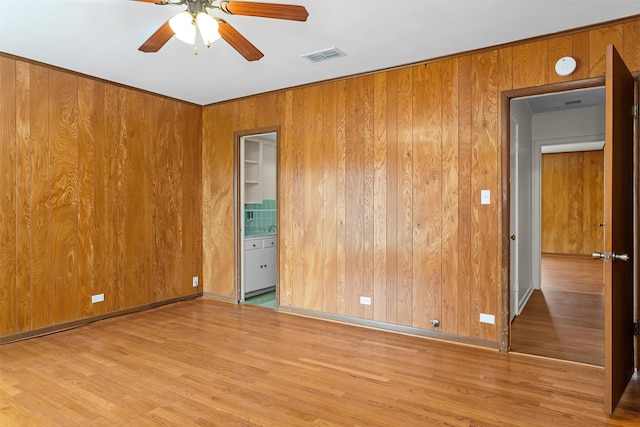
(556, 217)
(257, 218)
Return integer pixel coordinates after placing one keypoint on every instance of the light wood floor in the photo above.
(565, 319)
(207, 363)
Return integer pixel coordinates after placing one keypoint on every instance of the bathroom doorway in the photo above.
(257, 218)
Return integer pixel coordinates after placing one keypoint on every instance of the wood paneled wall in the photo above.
(573, 202)
(380, 179)
(99, 193)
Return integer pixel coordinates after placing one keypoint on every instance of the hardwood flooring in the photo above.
(207, 363)
(572, 274)
(565, 319)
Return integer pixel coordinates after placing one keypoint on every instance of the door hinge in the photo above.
(636, 111)
(636, 332)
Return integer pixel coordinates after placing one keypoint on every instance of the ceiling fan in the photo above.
(196, 18)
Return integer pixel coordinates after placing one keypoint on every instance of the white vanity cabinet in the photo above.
(259, 263)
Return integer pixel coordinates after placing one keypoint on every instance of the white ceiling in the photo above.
(101, 38)
(568, 100)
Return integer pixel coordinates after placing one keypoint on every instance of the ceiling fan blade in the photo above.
(154, 1)
(238, 41)
(157, 39)
(265, 10)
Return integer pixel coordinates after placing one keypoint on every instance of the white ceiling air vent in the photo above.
(325, 54)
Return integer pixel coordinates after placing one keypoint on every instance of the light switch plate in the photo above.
(485, 197)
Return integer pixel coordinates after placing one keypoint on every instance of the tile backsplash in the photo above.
(259, 217)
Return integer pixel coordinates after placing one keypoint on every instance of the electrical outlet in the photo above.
(97, 298)
(365, 300)
(195, 281)
(487, 318)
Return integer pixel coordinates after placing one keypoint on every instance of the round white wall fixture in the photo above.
(565, 66)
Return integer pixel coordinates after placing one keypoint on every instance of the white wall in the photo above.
(570, 124)
(268, 172)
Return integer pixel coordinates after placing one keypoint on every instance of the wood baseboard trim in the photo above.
(47, 330)
(389, 327)
(217, 297)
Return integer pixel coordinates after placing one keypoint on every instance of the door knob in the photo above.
(513, 237)
(620, 257)
(608, 256)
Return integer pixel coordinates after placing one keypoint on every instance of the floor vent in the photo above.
(323, 55)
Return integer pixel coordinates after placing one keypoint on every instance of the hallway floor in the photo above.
(565, 319)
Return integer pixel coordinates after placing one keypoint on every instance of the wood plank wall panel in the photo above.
(465, 85)
(341, 194)
(355, 196)
(98, 159)
(217, 203)
(329, 197)
(427, 194)
(297, 191)
(191, 124)
(572, 202)
(64, 199)
(391, 94)
(8, 255)
(166, 181)
(23, 197)
(113, 218)
(379, 197)
(40, 192)
(77, 216)
(312, 199)
(134, 192)
(285, 201)
(551, 209)
(530, 64)
(377, 181)
(368, 216)
(580, 52)
(404, 215)
(485, 240)
(89, 95)
(630, 51)
(593, 202)
(599, 38)
(557, 49)
(450, 198)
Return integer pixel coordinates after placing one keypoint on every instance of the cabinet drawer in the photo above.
(269, 243)
(252, 244)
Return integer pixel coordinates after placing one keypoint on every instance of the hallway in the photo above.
(565, 318)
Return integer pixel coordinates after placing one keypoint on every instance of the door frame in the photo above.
(238, 209)
(506, 97)
(536, 240)
(514, 220)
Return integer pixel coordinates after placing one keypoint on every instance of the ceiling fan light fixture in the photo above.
(208, 28)
(183, 26)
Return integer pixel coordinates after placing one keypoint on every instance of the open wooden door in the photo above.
(619, 222)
